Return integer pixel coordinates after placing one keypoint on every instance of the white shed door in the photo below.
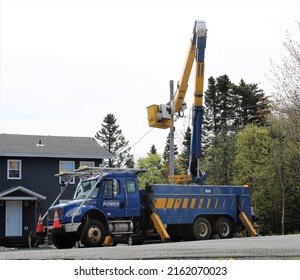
(13, 218)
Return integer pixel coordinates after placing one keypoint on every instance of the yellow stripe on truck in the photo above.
(177, 203)
(170, 203)
(190, 203)
(160, 203)
(216, 204)
(200, 203)
(185, 203)
(208, 203)
(193, 203)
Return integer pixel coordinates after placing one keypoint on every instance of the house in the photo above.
(28, 186)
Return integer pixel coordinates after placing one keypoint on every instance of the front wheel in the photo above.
(202, 228)
(94, 234)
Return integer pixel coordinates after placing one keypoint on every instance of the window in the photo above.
(130, 186)
(68, 166)
(84, 189)
(14, 169)
(87, 163)
(108, 187)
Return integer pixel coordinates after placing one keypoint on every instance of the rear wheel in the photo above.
(224, 228)
(94, 234)
(135, 239)
(202, 228)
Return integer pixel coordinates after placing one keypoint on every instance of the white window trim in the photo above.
(20, 170)
(85, 163)
(64, 200)
(60, 169)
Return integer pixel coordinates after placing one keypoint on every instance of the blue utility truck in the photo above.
(109, 207)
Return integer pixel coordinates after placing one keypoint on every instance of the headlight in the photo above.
(72, 212)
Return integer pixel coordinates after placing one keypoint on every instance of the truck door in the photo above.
(113, 202)
(132, 198)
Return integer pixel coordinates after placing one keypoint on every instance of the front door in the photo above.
(13, 218)
(113, 203)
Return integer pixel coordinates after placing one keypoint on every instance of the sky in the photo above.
(66, 64)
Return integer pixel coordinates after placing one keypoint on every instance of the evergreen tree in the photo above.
(153, 150)
(111, 138)
(211, 120)
(262, 112)
(248, 97)
(129, 161)
(166, 159)
(229, 108)
(226, 105)
(220, 106)
(219, 159)
(166, 153)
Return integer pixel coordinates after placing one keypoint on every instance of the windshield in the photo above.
(84, 188)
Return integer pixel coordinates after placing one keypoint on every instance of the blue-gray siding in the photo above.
(38, 176)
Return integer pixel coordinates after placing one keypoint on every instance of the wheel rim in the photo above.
(224, 229)
(202, 229)
(94, 234)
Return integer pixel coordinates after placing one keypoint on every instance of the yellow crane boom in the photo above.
(159, 116)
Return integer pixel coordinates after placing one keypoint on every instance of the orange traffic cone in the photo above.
(40, 227)
(56, 220)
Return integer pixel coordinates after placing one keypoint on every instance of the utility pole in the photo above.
(171, 157)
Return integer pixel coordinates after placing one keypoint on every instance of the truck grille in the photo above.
(60, 213)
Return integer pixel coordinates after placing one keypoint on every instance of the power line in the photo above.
(129, 148)
(142, 137)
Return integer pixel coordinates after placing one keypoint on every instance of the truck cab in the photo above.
(106, 201)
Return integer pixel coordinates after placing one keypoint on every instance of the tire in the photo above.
(130, 241)
(134, 240)
(62, 242)
(94, 234)
(224, 228)
(201, 228)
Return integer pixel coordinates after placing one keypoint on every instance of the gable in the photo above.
(20, 193)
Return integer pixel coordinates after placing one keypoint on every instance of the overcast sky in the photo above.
(65, 65)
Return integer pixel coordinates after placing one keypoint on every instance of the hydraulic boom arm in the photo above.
(159, 116)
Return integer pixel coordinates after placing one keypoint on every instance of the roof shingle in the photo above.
(51, 146)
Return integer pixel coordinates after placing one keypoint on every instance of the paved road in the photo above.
(267, 247)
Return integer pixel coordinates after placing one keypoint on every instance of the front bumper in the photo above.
(64, 228)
